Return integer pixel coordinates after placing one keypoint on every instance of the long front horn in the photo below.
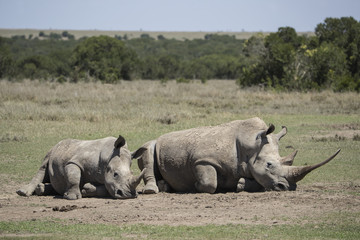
(135, 180)
(288, 160)
(296, 173)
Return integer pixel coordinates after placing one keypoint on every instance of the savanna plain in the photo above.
(35, 115)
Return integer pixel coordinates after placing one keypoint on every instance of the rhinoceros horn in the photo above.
(135, 180)
(288, 160)
(296, 173)
(281, 133)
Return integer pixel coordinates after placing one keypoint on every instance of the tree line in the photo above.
(281, 60)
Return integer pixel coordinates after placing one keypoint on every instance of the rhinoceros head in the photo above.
(119, 181)
(271, 170)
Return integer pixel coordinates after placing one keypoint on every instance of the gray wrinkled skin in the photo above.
(242, 155)
(75, 169)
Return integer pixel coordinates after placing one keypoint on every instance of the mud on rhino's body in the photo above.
(76, 168)
(235, 156)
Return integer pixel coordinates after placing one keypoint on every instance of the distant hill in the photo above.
(130, 34)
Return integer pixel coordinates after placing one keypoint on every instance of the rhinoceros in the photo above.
(241, 155)
(76, 168)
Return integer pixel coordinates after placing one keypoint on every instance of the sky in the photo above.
(175, 15)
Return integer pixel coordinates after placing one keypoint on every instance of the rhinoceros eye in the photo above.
(116, 174)
(268, 164)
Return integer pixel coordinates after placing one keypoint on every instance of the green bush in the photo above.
(292, 62)
(104, 58)
(346, 83)
(182, 80)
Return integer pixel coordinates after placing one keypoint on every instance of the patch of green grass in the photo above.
(56, 229)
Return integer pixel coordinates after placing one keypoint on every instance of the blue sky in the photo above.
(179, 15)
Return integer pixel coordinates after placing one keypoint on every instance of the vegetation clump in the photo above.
(283, 60)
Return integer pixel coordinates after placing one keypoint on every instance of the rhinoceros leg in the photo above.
(163, 186)
(73, 176)
(29, 189)
(91, 190)
(146, 160)
(248, 185)
(206, 178)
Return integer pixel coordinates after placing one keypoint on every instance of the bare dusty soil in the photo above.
(309, 203)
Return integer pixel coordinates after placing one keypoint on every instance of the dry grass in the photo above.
(152, 99)
(36, 115)
(147, 102)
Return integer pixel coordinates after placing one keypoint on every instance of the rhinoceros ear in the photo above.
(270, 129)
(119, 142)
(263, 133)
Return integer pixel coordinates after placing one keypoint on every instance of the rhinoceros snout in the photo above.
(121, 195)
(284, 187)
(119, 192)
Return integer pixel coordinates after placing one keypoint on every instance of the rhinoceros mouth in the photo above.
(284, 187)
(280, 187)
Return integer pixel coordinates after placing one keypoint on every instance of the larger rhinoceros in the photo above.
(242, 155)
(77, 168)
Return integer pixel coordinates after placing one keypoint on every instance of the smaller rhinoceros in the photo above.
(94, 168)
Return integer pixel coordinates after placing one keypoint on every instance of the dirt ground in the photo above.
(309, 203)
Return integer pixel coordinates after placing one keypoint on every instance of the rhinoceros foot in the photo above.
(151, 188)
(24, 191)
(248, 185)
(44, 189)
(89, 190)
(40, 189)
(163, 186)
(72, 195)
(241, 185)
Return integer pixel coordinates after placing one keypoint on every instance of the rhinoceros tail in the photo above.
(42, 173)
(146, 157)
(150, 146)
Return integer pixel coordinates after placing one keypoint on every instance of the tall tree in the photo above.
(345, 33)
